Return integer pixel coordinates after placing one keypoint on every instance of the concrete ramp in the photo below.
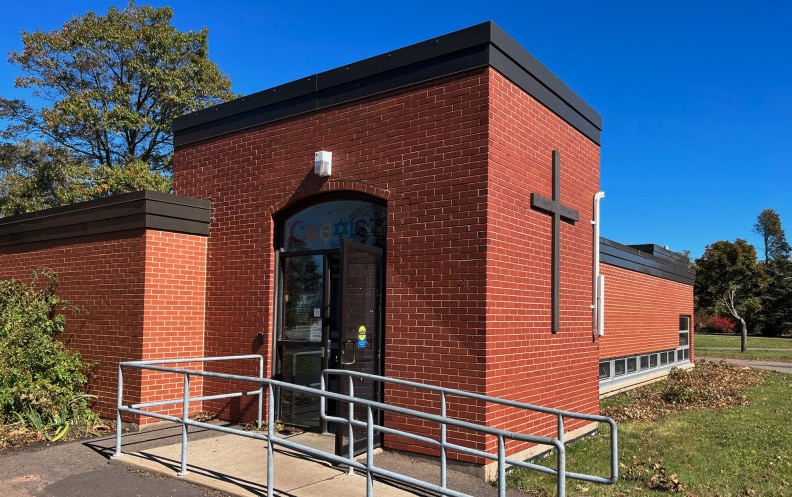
(238, 466)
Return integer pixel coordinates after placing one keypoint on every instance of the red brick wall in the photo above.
(525, 362)
(423, 150)
(104, 276)
(174, 312)
(452, 318)
(139, 295)
(642, 313)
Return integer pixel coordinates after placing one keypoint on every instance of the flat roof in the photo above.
(475, 47)
(647, 259)
(137, 210)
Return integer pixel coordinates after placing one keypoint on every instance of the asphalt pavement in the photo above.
(83, 469)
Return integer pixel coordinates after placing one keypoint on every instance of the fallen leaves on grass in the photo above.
(654, 474)
(709, 385)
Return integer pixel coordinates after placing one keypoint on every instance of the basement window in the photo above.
(604, 370)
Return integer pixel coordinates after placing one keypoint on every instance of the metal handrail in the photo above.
(444, 445)
(371, 427)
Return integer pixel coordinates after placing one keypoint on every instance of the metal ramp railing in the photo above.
(367, 465)
(444, 421)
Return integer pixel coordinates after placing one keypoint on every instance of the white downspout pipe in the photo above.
(598, 291)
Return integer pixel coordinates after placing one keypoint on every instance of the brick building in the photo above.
(452, 242)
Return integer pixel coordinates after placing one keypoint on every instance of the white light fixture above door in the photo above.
(323, 163)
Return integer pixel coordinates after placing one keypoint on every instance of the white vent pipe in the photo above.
(598, 290)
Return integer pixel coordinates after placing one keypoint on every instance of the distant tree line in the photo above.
(757, 295)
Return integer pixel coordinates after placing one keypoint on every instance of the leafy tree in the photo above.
(777, 298)
(729, 279)
(768, 226)
(106, 90)
(35, 176)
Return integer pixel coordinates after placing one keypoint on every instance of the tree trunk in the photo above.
(743, 335)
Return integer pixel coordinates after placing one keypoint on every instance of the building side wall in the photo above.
(642, 313)
(103, 277)
(423, 150)
(525, 361)
(175, 289)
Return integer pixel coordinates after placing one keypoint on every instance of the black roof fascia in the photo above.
(659, 251)
(138, 210)
(475, 47)
(659, 265)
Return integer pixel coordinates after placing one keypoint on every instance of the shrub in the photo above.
(39, 377)
(716, 324)
(722, 324)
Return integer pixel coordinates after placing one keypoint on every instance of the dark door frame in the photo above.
(330, 346)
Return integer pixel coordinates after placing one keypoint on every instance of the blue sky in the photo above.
(696, 96)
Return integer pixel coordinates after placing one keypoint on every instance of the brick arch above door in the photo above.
(305, 192)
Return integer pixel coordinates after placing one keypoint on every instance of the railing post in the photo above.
(261, 390)
(501, 466)
(614, 452)
(351, 428)
(322, 400)
(118, 409)
(443, 440)
(185, 415)
(561, 474)
(270, 436)
(560, 428)
(369, 451)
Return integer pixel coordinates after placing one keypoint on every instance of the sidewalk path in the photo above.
(782, 367)
(238, 466)
(737, 348)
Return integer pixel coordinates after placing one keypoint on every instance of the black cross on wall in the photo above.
(559, 213)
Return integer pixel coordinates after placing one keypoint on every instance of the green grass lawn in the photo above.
(733, 341)
(736, 451)
(750, 355)
(703, 342)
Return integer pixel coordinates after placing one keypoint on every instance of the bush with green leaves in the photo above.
(39, 377)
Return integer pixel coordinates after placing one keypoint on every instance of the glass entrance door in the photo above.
(302, 336)
(361, 338)
(329, 304)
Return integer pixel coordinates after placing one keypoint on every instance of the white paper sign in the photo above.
(316, 330)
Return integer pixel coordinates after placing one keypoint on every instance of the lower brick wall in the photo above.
(642, 313)
(175, 298)
(103, 275)
(138, 294)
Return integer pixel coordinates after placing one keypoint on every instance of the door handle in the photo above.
(344, 344)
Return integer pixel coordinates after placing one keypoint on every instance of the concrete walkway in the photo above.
(782, 367)
(236, 465)
(751, 348)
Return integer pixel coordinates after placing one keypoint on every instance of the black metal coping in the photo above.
(475, 47)
(647, 259)
(145, 209)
